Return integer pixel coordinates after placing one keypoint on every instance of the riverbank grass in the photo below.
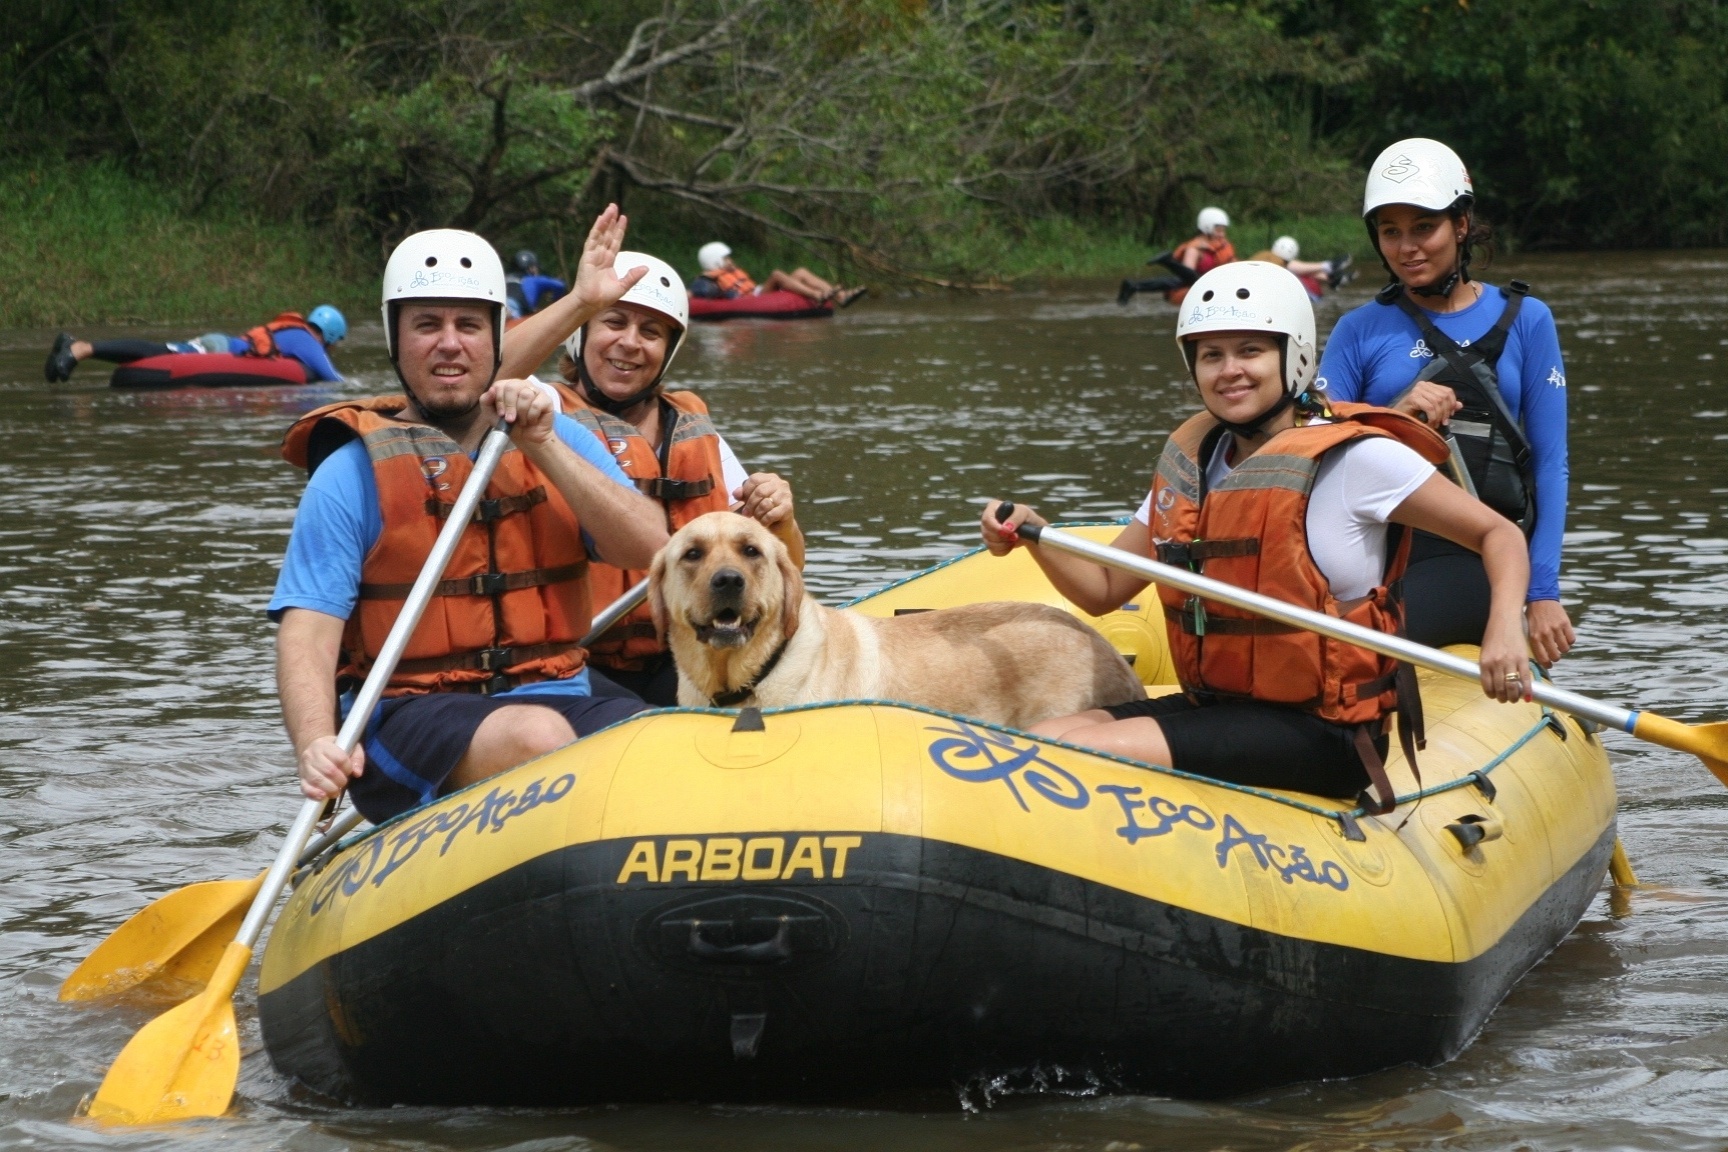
(89, 243)
(86, 244)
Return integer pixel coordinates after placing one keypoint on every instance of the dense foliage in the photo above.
(924, 136)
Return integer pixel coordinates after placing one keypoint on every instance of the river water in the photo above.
(140, 748)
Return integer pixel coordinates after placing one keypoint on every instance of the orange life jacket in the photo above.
(263, 338)
(1212, 253)
(685, 476)
(734, 280)
(513, 601)
(1252, 532)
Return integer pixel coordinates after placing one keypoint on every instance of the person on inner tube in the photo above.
(612, 380)
(722, 279)
(1274, 489)
(1419, 209)
(306, 339)
(494, 674)
(1208, 248)
(1324, 274)
(529, 290)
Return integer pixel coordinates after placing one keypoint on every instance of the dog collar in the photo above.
(738, 695)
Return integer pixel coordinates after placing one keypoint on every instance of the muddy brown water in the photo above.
(140, 748)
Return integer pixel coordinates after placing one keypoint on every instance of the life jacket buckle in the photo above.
(1176, 555)
(489, 584)
(495, 659)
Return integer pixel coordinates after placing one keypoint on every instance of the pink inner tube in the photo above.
(780, 305)
(208, 370)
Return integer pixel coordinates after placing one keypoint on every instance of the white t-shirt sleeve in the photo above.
(557, 400)
(732, 473)
(1356, 490)
(1144, 515)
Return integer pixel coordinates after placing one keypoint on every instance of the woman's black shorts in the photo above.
(1264, 745)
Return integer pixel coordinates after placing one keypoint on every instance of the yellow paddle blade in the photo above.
(1708, 742)
(182, 1064)
(178, 938)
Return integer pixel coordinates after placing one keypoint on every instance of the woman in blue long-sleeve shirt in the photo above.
(1440, 345)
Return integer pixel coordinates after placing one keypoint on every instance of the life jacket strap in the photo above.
(665, 488)
(1184, 619)
(1378, 798)
(486, 660)
(489, 510)
(483, 584)
(1198, 551)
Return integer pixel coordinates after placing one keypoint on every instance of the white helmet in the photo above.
(1211, 218)
(712, 255)
(1253, 296)
(660, 291)
(445, 264)
(1286, 248)
(1421, 172)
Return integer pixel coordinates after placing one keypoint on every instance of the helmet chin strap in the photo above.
(1441, 287)
(1249, 429)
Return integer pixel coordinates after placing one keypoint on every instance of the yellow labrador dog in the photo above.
(732, 606)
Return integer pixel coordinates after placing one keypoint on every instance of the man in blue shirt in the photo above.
(493, 675)
(306, 340)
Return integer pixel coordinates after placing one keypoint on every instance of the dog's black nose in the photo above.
(727, 580)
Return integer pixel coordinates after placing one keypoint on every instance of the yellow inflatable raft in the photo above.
(859, 898)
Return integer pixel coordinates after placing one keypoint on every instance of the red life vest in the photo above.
(513, 601)
(685, 476)
(1212, 254)
(262, 339)
(1252, 532)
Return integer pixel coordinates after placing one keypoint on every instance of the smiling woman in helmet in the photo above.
(1273, 490)
(613, 373)
(1481, 363)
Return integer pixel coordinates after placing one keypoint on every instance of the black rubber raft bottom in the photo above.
(928, 967)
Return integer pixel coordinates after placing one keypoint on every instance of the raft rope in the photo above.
(1345, 818)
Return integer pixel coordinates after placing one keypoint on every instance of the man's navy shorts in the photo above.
(414, 742)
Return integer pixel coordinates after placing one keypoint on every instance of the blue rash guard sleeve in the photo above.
(337, 524)
(1376, 352)
(309, 350)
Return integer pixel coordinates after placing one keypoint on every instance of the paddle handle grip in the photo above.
(1027, 532)
(1384, 643)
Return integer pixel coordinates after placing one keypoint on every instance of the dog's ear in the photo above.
(791, 588)
(657, 591)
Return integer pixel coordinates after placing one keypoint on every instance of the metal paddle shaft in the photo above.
(1384, 643)
(491, 451)
(1708, 742)
(351, 819)
(185, 1062)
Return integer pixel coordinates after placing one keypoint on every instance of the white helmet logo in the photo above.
(435, 279)
(1400, 170)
